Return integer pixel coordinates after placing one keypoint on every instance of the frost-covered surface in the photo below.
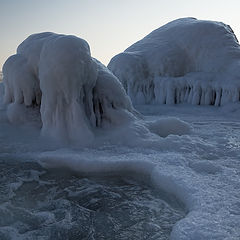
(184, 61)
(201, 169)
(73, 92)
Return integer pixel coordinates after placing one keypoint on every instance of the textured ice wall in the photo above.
(73, 92)
(184, 61)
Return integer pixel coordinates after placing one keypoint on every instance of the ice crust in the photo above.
(74, 92)
(185, 61)
(201, 169)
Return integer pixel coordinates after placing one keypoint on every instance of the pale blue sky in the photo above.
(109, 26)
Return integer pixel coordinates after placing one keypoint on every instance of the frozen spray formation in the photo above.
(184, 61)
(72, 92)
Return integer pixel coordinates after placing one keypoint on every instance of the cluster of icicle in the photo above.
(184, 61)
(190, 89)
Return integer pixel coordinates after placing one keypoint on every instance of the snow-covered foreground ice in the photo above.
(200, 169)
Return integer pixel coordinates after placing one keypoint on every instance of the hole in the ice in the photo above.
(60, 205)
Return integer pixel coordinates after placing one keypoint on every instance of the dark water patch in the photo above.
(40, 204)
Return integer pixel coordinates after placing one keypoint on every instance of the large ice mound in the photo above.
(72, 92)
(185, 61)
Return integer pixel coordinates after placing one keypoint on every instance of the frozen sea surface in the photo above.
(115, 191)
(40, 204)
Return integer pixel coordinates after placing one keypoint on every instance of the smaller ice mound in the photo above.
(73, 93)
(167, 126)
(185, 61)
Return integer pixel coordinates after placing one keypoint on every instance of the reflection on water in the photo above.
(40, 204)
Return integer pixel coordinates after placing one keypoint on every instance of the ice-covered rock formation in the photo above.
(73, 92)
(184, 61)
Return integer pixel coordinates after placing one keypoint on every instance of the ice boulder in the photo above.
(73, 93)
(185, 61)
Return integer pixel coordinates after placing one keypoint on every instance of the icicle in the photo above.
(218, 97)
(196, 95)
